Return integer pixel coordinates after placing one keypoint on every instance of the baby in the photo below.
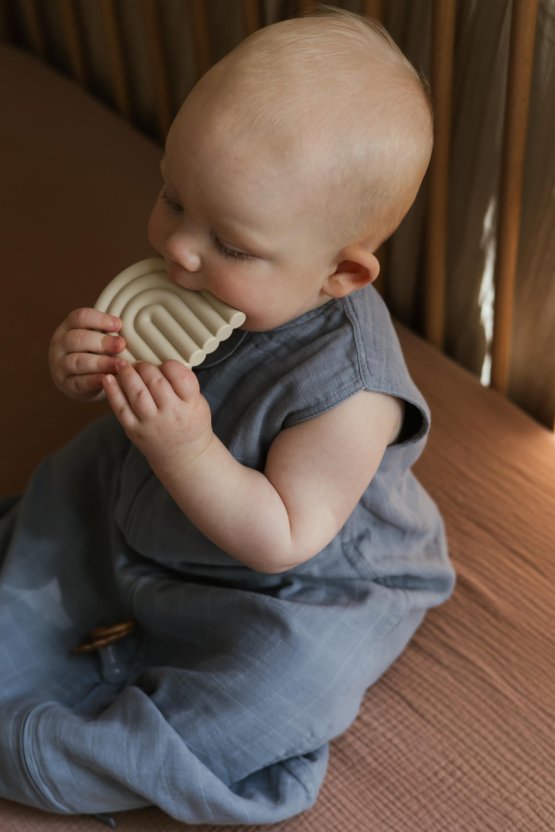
(256, 518)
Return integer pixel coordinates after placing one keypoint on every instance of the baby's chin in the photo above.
(268, 320)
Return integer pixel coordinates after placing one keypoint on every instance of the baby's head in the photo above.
(312, 138)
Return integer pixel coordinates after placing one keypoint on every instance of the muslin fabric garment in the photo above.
(220, 707)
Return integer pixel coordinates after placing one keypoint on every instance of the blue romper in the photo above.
(219, 708)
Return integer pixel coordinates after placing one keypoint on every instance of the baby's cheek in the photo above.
(154, 228)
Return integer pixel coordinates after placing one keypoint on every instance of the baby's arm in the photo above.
(81, 352)
(315, 473)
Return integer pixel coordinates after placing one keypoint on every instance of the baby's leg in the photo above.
(238, 694)
(55, 569)
(131, 757)
(239, 738)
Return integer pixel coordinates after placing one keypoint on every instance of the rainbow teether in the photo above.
(162, 320)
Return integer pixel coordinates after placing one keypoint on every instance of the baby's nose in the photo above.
(182, 251)
(190, 262)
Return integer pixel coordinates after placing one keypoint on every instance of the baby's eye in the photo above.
(171, 203)
(231, 253)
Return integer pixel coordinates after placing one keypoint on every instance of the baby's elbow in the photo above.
(274, 568)
(266, 569)
(277, 563)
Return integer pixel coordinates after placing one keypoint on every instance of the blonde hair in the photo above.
(333, 90)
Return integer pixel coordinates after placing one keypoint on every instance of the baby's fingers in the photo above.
(88, 318)
(85, 363)
(182, 379)
(118, 402)
(84, 386)
(136, 392)
(89, 341)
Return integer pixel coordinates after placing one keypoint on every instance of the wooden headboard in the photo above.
(141, 57)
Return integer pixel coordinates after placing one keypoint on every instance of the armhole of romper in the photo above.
(415, 423)
(416, 417)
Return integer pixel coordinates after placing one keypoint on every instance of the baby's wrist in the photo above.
(180, 461)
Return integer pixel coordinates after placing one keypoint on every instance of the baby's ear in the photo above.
(356, 267)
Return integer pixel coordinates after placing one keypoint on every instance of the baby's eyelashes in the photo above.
(231, 253)
(172, 204)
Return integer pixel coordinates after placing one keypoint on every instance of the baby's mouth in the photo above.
(181, 276)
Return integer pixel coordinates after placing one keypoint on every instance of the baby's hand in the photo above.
(162, 411)
(81, 352)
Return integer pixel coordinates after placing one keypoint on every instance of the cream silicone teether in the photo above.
(162, 320)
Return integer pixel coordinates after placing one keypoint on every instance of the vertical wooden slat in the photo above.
(33, 26)
(443, 37)
(73, 39)
(6, 27)
(115, 53)
(521, 56)
(160, 74)
(374, 9)
(305, 7)
(201, 35)
(252, 16)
